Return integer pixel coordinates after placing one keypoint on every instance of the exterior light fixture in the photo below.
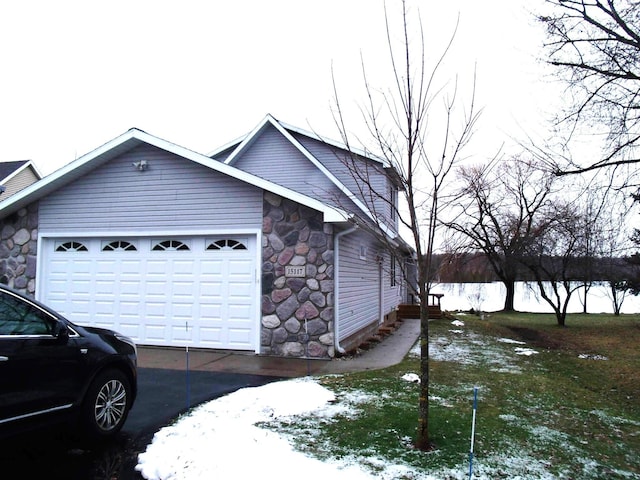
(142, 165)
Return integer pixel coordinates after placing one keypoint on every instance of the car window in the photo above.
(17, 317)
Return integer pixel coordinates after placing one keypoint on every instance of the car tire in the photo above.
(106, 404)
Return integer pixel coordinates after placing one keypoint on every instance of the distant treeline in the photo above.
(470, 267)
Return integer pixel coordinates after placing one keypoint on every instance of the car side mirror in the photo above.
(61, 332)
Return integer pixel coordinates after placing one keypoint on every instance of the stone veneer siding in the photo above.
(297, 312)
(18, 250)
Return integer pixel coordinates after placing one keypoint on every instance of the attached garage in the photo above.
(172, 291)
(237, 250)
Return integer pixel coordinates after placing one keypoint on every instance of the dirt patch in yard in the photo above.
(537, 338)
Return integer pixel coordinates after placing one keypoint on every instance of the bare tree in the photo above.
(422, 147)
(502, 205)
(605, 213)
(595, 44)
(556, 254)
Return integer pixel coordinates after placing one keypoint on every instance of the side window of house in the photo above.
(20, 318)
(393, 195)
(392, 273)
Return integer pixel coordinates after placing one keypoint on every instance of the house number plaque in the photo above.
(294, 271)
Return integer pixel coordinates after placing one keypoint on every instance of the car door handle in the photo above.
(3, 358)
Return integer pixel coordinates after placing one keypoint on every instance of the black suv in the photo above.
(53, 370)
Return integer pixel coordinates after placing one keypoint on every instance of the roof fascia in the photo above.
(35, 169)
(249, 139)
(334, 143)
(226, 146)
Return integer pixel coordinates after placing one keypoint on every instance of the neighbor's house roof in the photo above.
(16, 175)
(135, 137)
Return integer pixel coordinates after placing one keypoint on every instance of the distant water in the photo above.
(489, 297)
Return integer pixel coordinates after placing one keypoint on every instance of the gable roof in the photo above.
(10, 169)
(230, 152)
(228, 148)
(135, 137)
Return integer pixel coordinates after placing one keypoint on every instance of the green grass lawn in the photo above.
(553, 402)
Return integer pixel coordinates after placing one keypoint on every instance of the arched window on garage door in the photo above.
(172, 245)
(119, 246)
(226, 244)
(71, 246)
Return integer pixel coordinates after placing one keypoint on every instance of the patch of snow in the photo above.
(205, 443)
(445, 350)
(508, 340)
(411, 377)
(613, 421)
(592, 357)
(525, 351)
(457, 331)
(472, 349)
(457, 323)
(508, 417)
(440, 401)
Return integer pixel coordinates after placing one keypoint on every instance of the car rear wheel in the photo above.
(107, 404)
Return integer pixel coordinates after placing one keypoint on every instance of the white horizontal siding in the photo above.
(358, 285)
(173, 193)
(275, 158)
(392, 294)
(373, 177)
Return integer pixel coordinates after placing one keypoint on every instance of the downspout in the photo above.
(381, 291)
(336, 281)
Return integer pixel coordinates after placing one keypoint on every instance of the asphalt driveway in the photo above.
(163, 394)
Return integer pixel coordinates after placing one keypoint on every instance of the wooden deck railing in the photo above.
(413, 310)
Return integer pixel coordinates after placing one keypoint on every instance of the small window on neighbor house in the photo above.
(119, 246)
(71, 246)
(227, 244)
(363, 252)
(171, 245)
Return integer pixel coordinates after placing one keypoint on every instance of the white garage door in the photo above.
(159, 291)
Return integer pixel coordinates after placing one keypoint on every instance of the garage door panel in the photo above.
(155, 311)
(129, 309)
(130, 330)
(211, 337)
(181, 334)
(154, 335)
(183, 289)
(150, 295)
(78, 313)
(238, 337)
(237, 311)
(155, 289)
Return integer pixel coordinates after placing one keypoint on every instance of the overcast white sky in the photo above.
(76, 74)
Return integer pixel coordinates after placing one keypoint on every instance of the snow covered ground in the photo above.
(223, 439)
